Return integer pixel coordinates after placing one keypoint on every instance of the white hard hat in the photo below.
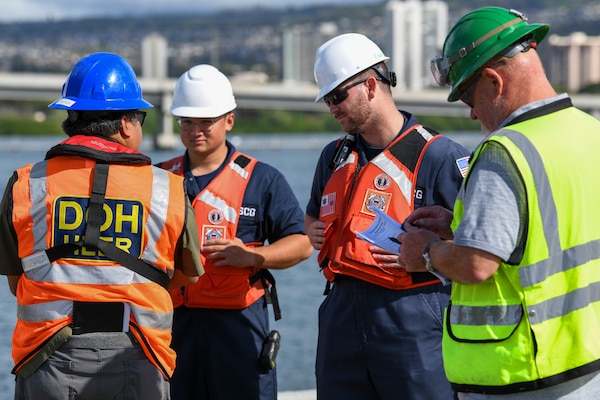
(202, 92)
(343, 57)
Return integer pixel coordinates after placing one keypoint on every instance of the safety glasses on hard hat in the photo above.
(440, 66)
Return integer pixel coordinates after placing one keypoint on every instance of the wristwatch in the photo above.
(427, 258)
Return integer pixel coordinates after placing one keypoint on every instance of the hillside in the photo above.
(243, 40)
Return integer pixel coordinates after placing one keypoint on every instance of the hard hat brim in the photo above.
(80, 104)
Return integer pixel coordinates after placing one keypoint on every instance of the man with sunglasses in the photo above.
(91, 239)
(379, 327)
(522, 245)
(221, 324)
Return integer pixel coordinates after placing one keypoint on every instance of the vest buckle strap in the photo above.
(89, 317)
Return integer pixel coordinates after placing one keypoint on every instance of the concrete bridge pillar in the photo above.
(155, 66)
(166, 139)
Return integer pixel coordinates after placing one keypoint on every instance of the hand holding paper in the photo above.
(383, 232)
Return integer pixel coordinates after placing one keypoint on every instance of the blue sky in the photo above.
(40, 10)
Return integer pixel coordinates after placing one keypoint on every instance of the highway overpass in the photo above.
(285, 95)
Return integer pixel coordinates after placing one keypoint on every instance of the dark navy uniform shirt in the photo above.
(439, 177)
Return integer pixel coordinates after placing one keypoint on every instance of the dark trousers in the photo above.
(218, 353)
(381, 344)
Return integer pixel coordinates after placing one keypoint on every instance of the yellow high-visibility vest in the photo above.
(536, 324)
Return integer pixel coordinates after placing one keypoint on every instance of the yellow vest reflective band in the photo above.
(536, 324)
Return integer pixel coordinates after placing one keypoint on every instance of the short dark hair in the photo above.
(94, 123)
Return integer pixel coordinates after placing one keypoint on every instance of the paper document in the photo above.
(383, 232)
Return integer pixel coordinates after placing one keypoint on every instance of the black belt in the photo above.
(420, 277)
(91, 317)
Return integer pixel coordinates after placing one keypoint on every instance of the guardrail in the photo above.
(282, 95)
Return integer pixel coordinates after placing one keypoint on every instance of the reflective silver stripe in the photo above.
(159, 206)
(35, 261)
(229, 212)
(387, 165)
(38, 212)
(390, 168)
(64, 308)
(239, 170)
(559, 262)
(45, 311)
(486, 315)
(546, 202)
(562, 305)
(85, 274)
(152, 319)
(425, 134)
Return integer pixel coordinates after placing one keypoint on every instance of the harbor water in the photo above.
(300, 289)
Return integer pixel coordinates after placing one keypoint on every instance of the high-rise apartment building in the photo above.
(415, 33)
(155, 53)
(573, 61)
(300, 43)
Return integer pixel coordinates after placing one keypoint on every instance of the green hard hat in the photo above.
(477, 38)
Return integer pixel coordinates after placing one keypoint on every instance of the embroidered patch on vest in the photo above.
(375, 198)
(327, 204)
(210, 232)
(215, 217)
(382, 181)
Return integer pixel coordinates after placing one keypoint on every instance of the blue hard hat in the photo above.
(101, 81)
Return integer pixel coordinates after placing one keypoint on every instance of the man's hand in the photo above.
(232, 252)
(384, 258)
(414, 241)
(315, 230)
(436, 219)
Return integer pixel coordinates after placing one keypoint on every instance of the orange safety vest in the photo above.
(388, 182)
(143, 216)
(217, 209)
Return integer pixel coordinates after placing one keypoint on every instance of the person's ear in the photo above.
(371, 83)
(229, 121)
(494, 77)
(127, 126)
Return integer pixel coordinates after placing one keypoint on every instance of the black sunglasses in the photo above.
(140, 116)
(338, 95)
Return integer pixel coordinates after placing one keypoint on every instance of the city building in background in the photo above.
(256, 46)
(415, 33)
(573, 61)
(300, 43)
(155, 52)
